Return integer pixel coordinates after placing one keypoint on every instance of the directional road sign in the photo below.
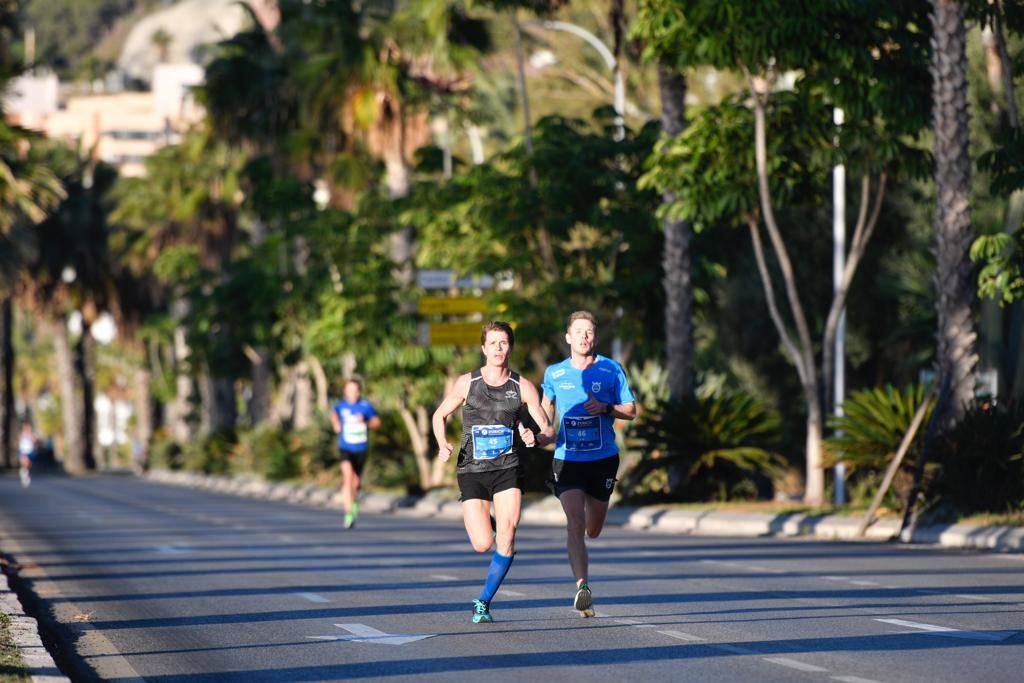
(440, 305)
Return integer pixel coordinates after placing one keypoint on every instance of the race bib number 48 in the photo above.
(491, 441)
(582, 433)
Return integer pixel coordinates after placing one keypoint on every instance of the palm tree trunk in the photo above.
(304, 397)
(85, 367)
(953, 284)
(7, 457)
(144, 414)
(676, 260)
(73, 448)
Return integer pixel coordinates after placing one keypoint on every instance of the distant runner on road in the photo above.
(488, 461)
(589, 392)
(26, 453)
(352, 419)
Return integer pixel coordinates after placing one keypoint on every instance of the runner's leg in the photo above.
(574, 504)
(476, 516)
(597, 512)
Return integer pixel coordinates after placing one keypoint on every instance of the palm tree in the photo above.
(189, 199)
(27, 191)
(676, 260)
(71, 271)
(955, 336)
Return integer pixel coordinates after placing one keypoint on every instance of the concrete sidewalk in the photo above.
(695, 522)
(25, 633)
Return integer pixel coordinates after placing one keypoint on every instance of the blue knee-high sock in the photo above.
(495, 575)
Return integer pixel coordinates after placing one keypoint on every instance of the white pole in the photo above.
(609, 59)
(838, 265)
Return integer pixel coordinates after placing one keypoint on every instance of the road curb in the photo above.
(695, 522)
(25, 633)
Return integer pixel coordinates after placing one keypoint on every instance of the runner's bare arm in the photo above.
(532, 400)
(449, 405)
(335, 422)
(620, 411)
(374, 422)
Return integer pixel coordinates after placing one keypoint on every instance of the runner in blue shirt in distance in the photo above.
(352, 418)
(589, 392)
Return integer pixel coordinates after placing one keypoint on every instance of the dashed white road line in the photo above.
(511, 594)
(836, 578)
(947, 631)
(443, 577)
(969, 597)
(794, 664)
(865, 583)
(680, 635)
(313, 597)
(853, 679)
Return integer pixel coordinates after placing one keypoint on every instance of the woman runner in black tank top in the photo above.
(491, 398)
(490, 422)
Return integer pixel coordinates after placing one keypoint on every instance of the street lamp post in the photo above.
(619, 102)
(838, 266)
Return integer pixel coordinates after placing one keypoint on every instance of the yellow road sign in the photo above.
(456, 334)
(441, 305)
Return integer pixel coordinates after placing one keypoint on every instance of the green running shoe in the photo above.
(350, 521)
(481, 612)
(584, 601)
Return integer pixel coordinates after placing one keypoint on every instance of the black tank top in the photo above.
(490, 425)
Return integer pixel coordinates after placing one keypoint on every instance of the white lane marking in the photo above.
(733, 649)
(361, 633)
(313, 597)
(970, 597)
(836, 578)
(173, 548)
(602, 615)
(511, 594)
(443, 577)
(680, 635)
(853, 679)
(945, 630)
(793, 664)
(865, 583)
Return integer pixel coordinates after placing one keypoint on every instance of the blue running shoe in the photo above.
(481, 612)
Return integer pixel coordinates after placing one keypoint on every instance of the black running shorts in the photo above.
(483, 485)
(596, 478)
(357, 459)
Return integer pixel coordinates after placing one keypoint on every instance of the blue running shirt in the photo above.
(354, 434)
(583, 437)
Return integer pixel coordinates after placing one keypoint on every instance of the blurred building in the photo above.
(119, 128)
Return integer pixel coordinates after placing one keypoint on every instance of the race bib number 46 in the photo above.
(582, 433)
(491, 441)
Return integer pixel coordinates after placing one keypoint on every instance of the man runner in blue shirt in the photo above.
(589, 392)
(352, 418)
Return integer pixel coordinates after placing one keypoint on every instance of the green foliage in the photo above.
(873, 423)
(165, 452)
(982, 462)
(210, 452)
(67, 31)
(1001, 276)
(703, 448)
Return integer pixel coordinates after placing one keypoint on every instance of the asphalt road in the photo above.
(165, 584)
